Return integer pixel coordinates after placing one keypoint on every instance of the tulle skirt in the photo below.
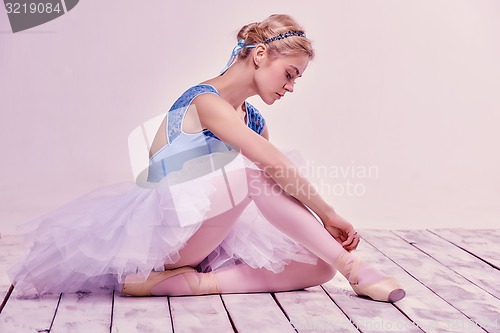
(93, 242)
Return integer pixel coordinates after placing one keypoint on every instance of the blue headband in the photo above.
(236, 51)
(241, 45)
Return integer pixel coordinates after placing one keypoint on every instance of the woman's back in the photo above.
(173, 145)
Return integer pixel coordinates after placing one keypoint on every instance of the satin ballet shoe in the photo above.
(202, 283)
(385, 290)
(135, 286)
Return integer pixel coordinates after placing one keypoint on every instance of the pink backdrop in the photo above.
(397, 116)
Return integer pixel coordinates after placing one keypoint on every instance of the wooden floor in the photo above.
(451, 276)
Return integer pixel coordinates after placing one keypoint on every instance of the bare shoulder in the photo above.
(213, 102)
(218, 116)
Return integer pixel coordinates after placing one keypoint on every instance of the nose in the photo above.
(288, 87)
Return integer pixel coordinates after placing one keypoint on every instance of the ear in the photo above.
(259, 53)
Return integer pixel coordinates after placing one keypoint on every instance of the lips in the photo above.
(278, 95)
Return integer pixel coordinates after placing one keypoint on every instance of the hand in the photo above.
(342, 231)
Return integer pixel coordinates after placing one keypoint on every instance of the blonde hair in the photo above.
(258, 32)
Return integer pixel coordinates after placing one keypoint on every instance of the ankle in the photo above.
(369, 274)
(202, 283)
(357, 271)
(174, 286)
(347, 264)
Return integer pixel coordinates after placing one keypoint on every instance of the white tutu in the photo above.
(93, 242)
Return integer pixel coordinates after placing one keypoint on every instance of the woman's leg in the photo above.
(285, 213)
(228, 200)
(208, 237)
(291, 217)
(244, 279)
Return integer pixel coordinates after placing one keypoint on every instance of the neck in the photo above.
(236, 85)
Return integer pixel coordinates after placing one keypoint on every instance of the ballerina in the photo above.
(223, 210)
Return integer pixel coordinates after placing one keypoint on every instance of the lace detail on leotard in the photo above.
(177, 111)
(255, 120)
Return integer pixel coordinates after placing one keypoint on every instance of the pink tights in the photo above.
(289, 216)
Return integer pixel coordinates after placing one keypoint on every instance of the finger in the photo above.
(354, 243)
(339, 240)
(350, 237)
(350, 247)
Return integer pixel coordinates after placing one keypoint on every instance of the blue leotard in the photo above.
(184, 146)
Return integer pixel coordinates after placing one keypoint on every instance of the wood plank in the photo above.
(141, 315)
(199, 314)
(312, 310)
(5, 295)
(83, 312)
(468, 298)
(11, 250)
(4, 278)
(4, 289)
(309, 310)
(256, 313)
(426, 309)
(11, 246)
(24, 312)
(484, 243)
(462, 262)
(368, 315)
(28, 313)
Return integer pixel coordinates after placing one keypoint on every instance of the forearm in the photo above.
(290, 179)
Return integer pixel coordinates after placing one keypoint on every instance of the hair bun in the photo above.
(258, 32)
(249, 32)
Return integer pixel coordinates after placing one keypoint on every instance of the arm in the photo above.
(265, 133)
(219, 117)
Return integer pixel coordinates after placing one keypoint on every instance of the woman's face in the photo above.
(276, 76)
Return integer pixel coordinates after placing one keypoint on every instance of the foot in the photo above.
(135, 285)
(195, 283)
(367, 281)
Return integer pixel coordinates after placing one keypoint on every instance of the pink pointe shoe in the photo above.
(385, 290)
(199, 283)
